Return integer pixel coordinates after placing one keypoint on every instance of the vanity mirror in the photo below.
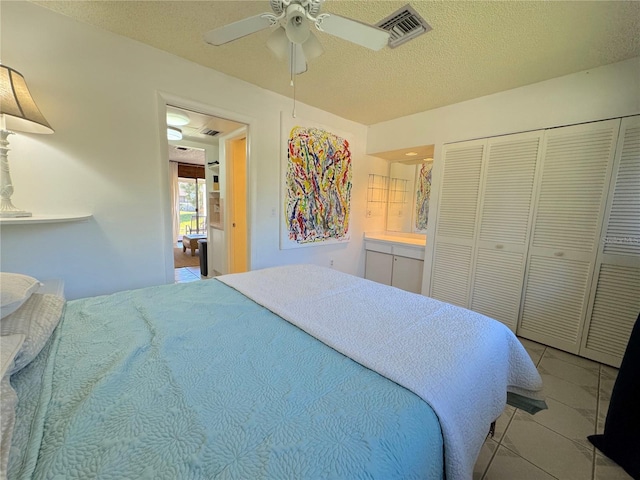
(409, 192)
(403, 195)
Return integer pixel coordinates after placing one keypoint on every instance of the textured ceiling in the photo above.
(475, 48)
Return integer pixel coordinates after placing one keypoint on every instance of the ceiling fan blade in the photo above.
(297, 60)
(239, 29)
(278, 43)
(312, 48)
(353, 31)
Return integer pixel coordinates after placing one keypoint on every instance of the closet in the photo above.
(541, 231)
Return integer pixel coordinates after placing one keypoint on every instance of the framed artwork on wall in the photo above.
(423, 194)
(316, 184)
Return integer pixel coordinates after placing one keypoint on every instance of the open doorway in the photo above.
(188, 198)
(202, 199)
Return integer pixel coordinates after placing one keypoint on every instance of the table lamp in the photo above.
(18, 111)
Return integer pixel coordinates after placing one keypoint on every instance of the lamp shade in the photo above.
(16, 104)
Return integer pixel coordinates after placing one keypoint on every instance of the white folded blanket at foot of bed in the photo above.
(460, 362)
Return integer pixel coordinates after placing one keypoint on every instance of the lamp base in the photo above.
(14, 214)
(9, 210)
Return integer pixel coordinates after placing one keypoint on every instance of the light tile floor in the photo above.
(553, 443)
(187, 274)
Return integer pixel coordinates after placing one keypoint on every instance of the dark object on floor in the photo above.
(202, 248)
(621, 438)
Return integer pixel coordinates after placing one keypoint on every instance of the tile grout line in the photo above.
(593, 448)
(597, 409)
(504, 435)
(493, 455)
(561, 434)
(541, 355)
(530, 462)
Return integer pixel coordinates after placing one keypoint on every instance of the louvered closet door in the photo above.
(505, 220)
(615, 296)
(456, 222)
(570, 205)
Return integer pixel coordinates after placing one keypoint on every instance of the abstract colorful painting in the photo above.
(423, 192)
(317, 186)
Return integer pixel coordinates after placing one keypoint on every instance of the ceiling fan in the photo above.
(293, 38)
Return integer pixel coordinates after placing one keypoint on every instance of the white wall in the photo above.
(597, 94)
(102, 95)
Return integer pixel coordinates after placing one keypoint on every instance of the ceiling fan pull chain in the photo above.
(293, 114)
(292, 68)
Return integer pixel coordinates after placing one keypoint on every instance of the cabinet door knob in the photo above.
(499, 246)
(559, 254)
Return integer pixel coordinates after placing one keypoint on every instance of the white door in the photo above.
(576, 169)
(456, 222)
(615, 295)
(505, 220)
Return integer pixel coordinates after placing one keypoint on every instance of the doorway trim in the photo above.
(164, 100)
(227, 150)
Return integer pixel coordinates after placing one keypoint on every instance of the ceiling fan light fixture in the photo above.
(174, 133)
(312, 47)
(293, 38)
(297, 26)
(278, 43)
(297, 60)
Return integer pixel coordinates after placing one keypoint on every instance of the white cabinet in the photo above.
(378, 267)
(396, 264)
(401, 272)
(407, 273)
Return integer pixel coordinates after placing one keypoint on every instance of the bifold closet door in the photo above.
(504, 225)
(569, 211)
(615, 295)
(456, 222)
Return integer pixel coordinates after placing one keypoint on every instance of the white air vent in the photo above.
(404, 25)
(208, 131)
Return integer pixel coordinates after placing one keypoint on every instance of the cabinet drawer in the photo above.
(381, 247)
(409, 252)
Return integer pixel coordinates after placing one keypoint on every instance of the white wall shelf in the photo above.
(44, 219)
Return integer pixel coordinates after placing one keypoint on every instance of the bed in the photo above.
(288, 372)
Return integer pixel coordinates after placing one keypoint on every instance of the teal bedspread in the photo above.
(195, 381)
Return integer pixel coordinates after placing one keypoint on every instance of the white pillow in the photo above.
(35, 319)
(15, 289)
(9, 347)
